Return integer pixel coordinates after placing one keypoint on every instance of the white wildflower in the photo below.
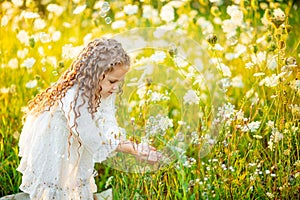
(18, 3)
(236, 15)
(258, 74)
(275, 137)
(52, 60)
(273, 63)
(217, 2)
(31, 84)
(237, 82)
(239, 115)
(4, 20)
(70, 52)
(157, 125)
(29, 15)
(56, 9)
(249, 65)
(195, 138)
(79, 9)
(56, 36)
(44, 37)
(270, 81)
(39, 24)
(28, 63)
(180, 62)
(158, 56)
(240, 49)
(4, 90)
(270, 195)
(191, 97)
(189, 162)
(141, 91)
(279, 15)
(149, 12)
(23, 37)
(165, 123)
(41, 51)
(252, 127)
(259, 58)
(224, 84)
(131, 9)
(226, 111)
(205, 25)
(270, 124)
(224, 69)
(22, 53)
(118, 24)
(156, 96)
(218, 47)
(167, 13)
(13, 63)
(229, 27)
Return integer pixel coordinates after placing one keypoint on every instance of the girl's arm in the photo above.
(127, 147)
(141, 151)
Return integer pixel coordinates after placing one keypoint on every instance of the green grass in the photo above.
(240, 164)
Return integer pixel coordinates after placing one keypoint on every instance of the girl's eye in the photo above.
(112, 82)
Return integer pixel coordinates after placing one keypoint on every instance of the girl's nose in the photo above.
(115, 87)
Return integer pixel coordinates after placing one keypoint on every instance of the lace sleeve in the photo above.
(92, 137)
(107, 123)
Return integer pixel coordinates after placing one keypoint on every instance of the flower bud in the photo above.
(278, 17)
(291, 61)
(212, 39)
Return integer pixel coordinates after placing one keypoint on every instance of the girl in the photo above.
(71, 125)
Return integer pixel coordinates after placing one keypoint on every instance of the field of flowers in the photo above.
(214, 85)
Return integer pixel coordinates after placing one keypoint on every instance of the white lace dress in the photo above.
(51, 168)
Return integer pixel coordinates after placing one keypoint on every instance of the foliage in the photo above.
(254, 45)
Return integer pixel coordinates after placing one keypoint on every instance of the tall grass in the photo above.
(256, 155)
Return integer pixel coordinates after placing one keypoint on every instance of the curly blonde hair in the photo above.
(90, 67)
(97, 59)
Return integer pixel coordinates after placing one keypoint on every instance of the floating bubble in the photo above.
(102, 14)
(173, 145)
(55, 73)
(105, 7)
(108, 20)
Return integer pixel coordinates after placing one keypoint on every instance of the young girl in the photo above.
(71, 125)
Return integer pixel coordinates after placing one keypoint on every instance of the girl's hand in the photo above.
(142, 151)
(148, 153)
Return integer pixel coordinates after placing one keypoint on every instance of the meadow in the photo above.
(214, 85)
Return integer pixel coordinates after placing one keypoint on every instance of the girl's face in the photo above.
(110, 84)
